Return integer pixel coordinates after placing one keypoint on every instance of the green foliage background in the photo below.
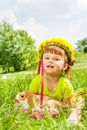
(12, 83)
(16, 49)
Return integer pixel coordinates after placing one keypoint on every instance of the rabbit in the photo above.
(28, 100)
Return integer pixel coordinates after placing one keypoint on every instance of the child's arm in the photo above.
(66, 102)
(63, 104)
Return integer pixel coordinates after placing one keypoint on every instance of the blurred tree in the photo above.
(16, 49)
(82, 45)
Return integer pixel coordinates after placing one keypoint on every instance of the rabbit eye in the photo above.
(22, 96)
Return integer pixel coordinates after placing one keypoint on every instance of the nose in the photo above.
(16, 101)
(50, 60)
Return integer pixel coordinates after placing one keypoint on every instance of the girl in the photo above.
(56, 57)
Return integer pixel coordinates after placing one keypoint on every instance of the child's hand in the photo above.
(64, 105)
(66, 102)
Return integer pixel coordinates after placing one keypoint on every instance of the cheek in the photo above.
(60, 64)
(24, 102)
(44, 63)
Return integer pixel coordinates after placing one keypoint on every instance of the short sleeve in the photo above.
(68, 89)
(35, 84)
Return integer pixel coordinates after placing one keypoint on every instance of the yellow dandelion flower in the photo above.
(57, 42)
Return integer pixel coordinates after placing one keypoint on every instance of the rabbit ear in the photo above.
(29, 96)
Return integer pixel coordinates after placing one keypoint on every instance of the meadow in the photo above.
(12, 83)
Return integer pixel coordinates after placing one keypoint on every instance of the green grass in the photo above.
(11, 84)
(81, 61)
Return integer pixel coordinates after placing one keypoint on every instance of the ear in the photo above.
(29, 96)
(65, 66)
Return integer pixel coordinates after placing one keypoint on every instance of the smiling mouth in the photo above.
(50, 66)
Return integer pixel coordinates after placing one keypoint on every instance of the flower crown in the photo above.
(66, 46)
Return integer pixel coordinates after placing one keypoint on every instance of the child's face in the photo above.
(53, 63)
